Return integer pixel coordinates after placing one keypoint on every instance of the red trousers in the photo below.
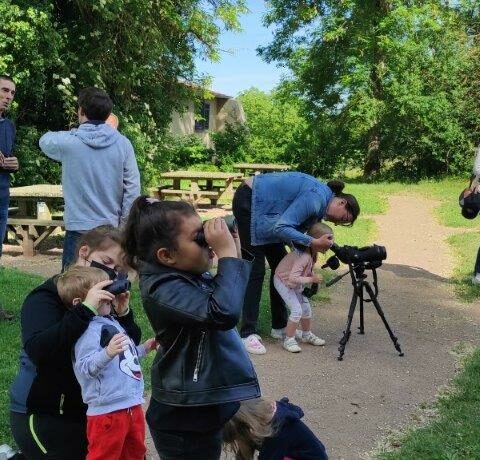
(119, 435)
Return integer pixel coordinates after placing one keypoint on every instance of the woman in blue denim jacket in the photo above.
(272, 210)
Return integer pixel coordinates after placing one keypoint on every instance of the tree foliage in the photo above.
(383, 83)
(139, 51)
(273, 122)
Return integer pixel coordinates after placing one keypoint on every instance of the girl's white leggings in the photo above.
(298, 305)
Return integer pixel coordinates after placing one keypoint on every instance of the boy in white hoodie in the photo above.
(106, 364)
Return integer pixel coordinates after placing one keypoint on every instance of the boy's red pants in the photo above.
(117, 435)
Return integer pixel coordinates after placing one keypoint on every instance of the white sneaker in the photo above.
(6, 451)
(312, 339)
(476, 279)
(291, 345)
(277, 333)
(253, 344)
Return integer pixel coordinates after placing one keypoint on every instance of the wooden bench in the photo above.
(29, 233)
(190, 195)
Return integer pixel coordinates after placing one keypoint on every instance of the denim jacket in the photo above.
(285, 205)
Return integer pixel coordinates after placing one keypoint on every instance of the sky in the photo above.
(240, 68)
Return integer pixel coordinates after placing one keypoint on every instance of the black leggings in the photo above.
(172, 445)
(41, 436)
(274, 253)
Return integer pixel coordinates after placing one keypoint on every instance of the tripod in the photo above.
(360, 285)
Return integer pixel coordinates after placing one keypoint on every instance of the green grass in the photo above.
(455, 432)
(19, 285)
(465, 247)
(446, 191)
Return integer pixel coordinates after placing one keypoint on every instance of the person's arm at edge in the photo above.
(131, 181)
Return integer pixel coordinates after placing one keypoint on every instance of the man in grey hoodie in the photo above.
(100, 175)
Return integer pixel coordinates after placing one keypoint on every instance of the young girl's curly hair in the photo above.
(244, 433)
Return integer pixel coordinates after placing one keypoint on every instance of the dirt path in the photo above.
(353, 404)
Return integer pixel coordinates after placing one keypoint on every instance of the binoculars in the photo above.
(231, 224)
(120, 285)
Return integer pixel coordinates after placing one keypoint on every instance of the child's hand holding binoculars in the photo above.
(219, 238)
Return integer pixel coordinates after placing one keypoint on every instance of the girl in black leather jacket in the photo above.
(201, 370)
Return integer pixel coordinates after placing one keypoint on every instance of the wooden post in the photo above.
(27, 240)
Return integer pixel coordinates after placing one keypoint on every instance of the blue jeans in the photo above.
(4, 199)
(70, 252)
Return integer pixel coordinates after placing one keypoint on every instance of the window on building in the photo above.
(202, 117)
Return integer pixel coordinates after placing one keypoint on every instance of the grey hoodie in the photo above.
(100, 176)
(108, 384)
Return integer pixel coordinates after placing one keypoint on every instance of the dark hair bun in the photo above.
(336, 186)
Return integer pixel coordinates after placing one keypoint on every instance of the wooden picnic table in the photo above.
(203, 184)
(258, 168)
(29, 226)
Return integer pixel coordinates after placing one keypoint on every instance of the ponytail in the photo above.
(151, 225)
(337, 186)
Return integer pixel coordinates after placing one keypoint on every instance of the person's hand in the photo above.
(323, 243)
(219, 238)
(96, 295)
(10, 163)
(317, 279)
(121, 303)
(118, 344)
(150, 345)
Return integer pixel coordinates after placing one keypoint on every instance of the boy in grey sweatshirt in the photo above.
(106, 364)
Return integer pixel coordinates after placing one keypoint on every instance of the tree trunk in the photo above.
(373, 162)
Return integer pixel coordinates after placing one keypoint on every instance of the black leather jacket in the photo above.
(201, 359)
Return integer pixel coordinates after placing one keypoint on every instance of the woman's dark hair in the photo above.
(352, 206)
(95, 103)
(151, 225)
(100, 238)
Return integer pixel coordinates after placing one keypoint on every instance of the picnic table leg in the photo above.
(27, 240)
(177, 183)
(228, 187)
(195, 193)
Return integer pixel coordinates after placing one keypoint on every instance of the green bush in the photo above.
(35, 167)
(232, 144)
